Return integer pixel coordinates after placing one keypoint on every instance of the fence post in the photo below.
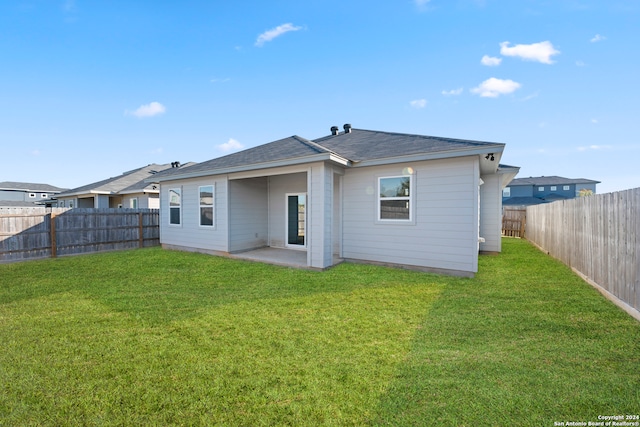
(140, 230)
(54, 249)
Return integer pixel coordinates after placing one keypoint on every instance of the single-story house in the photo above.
(128, 190)
(415, 201)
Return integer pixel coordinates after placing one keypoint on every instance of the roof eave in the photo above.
(257, 166)
(495, 148)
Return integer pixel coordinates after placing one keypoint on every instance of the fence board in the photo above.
(513, 222)
(597, 236)
(27, 233)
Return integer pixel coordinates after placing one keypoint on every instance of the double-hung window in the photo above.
(395, 198)
(175, 206)
(206, 193)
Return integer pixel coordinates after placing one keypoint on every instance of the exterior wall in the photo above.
(23, 196)
(320, 221)
(189, 234)
(248, 213)
(521, 191)
(491, 213)
(279, 186)
(444, 234)
(145, 200)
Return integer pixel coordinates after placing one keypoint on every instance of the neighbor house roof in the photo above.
(519, 201)
(355, 148)
(550, 180)
(29, 187)
(129, 182)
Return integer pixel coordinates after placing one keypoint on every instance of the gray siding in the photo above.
(490, 213)
(248, 213)
(189, 233)
(445, 232)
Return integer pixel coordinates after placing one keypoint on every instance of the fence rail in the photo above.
(28, 233)
(599, 237)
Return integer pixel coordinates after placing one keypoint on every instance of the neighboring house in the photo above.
(407, 200)
(129, 190)
(544, 189)
(27, 194)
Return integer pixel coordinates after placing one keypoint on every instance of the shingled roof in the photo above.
(550, 180)
(29, 187)
(129, 182)
(349, 148)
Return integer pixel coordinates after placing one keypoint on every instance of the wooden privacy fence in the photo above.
(513, 222)
(598, 237)
(28, 233)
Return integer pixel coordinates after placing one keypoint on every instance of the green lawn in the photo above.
(154, 337)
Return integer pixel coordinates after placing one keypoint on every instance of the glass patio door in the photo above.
(296, 220)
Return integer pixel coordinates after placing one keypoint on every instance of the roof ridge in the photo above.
(312, 144)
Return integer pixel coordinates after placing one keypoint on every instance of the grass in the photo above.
(154, 337)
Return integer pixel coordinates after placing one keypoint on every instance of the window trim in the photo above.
(178, 190)
(411, 199)
(541, 188)
(212, 206)
(566, 187)
(506, 192)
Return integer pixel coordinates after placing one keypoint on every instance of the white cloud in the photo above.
(452, 92)
(594, 121)
(580, 64)
(492, 88)
(269, 35)
(597, 38)
(418, 103)
(541, 52)
(421, 4)
(231, 145)
(533, 95)
(36, 152)
(148, 110)
(594, 147)
(490, 61)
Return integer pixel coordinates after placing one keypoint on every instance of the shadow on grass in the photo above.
(161, 286)
(526, 342)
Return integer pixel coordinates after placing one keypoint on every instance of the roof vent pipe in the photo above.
(347, 128)
(334, 130)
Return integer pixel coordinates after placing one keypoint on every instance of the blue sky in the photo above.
(90, 89)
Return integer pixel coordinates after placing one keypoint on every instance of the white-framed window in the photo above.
(133, 203)
(395, 198)
(506, 192)
(205, 196)
(540, 188)
(32, 195)
(61, 203)
(554, 188)
(44, 196)
(566, 188)
(175, 206)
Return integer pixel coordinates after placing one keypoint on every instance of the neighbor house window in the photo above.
(61, 204)
(206, 205)
(44, 196)
(395, 194)
(566, 188)
(554, 188)
(133, 203)
(506, 192)
(175, 205)
(32, 195)
(540, 188)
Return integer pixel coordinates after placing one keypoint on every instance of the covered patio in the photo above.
(278, 256)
